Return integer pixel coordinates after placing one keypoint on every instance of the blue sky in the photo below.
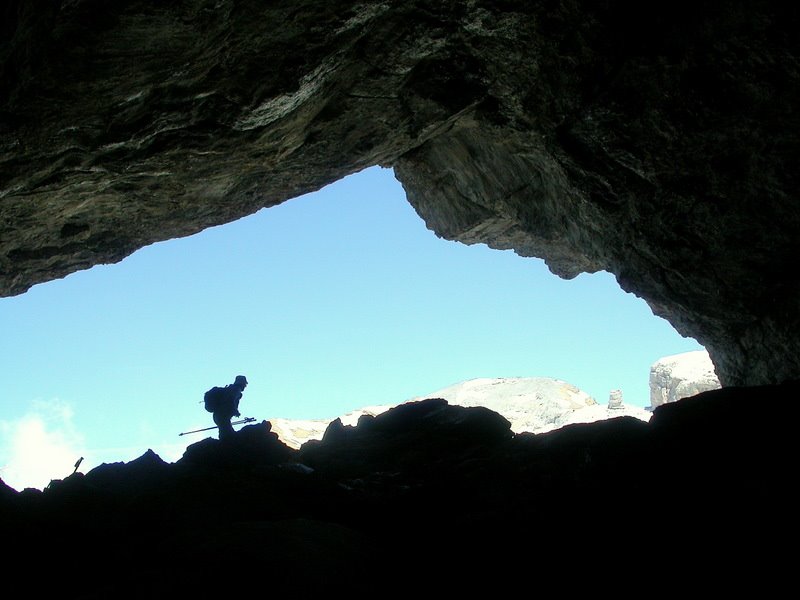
(327, 303)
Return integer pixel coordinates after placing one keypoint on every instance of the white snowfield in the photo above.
(531, 404)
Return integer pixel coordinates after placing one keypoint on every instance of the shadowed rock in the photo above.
(252, 445)
(656, 141)
(408, 438)
(430, 495)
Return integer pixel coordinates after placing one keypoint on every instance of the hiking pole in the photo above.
(245, 420)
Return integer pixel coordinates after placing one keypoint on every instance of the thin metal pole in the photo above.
(246, 420)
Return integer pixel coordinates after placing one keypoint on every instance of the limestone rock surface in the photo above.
(535, 404)
(680, 376)
(657, 141)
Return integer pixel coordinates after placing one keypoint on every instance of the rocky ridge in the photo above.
(427, 495)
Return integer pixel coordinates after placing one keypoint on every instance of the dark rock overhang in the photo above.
(657, 141)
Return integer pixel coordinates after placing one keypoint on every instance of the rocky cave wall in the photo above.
(657, 141)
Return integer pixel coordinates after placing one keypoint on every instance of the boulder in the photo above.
(680, 376)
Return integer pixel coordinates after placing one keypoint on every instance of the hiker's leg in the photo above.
(223, 423)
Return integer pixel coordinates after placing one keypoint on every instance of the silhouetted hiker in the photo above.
(224, 403)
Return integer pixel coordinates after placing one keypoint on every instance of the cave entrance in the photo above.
(330, 302)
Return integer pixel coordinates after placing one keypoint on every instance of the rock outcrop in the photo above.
(680, 376)
(426, 496)
(657, 141)
(615, 401)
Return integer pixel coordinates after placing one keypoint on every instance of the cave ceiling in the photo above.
(657, 141)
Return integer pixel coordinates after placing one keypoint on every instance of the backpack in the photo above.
(213, 398)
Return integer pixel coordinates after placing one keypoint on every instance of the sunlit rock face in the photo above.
(657, 142)
(681, 376)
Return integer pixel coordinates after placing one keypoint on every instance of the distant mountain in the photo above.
(535, 404)
(532, 404)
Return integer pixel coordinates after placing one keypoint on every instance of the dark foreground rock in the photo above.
(429, 499)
